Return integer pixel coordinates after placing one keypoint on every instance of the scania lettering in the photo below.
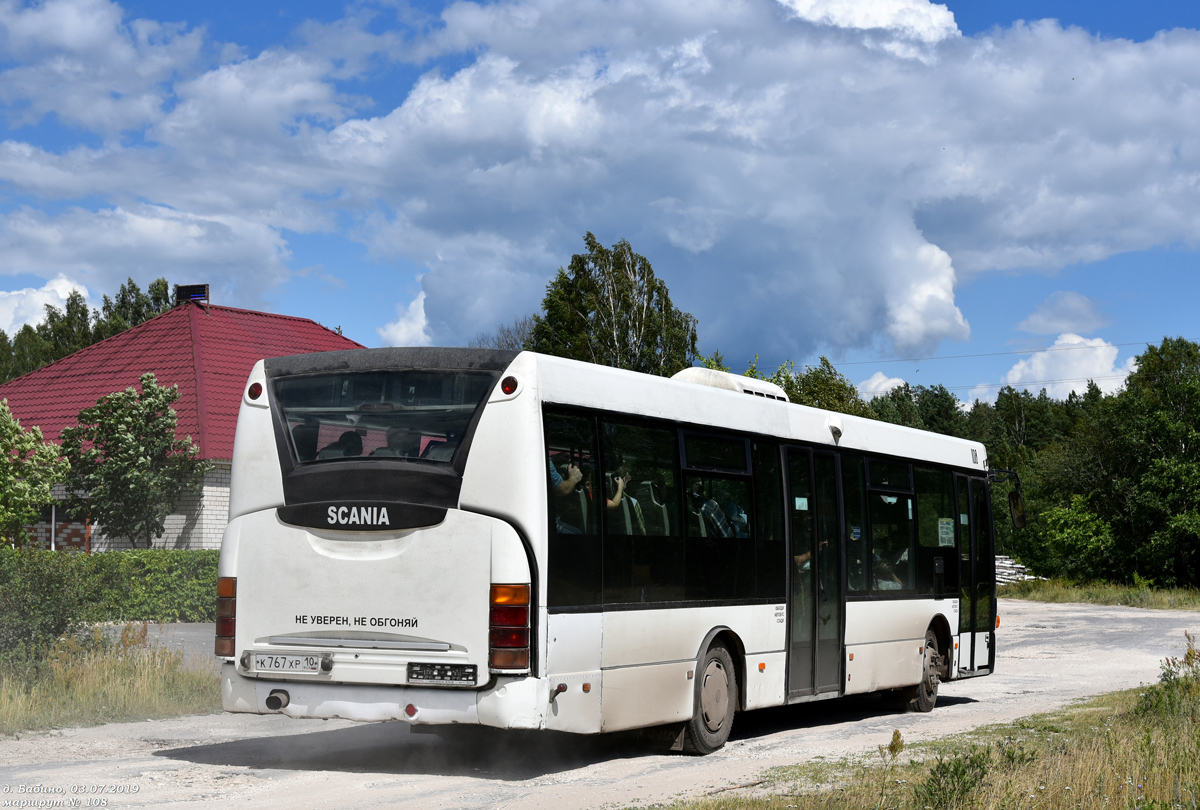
(513, 540)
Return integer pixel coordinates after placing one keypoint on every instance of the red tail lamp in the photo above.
(226, 616)
(508, 628)
(508, 385)
(255, 391)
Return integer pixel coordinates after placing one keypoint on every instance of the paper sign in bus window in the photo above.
(945, 531)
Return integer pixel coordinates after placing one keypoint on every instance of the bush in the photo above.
(953, 780)
(153, 585)
(1177, 694)
(46, 594)
(42, 598)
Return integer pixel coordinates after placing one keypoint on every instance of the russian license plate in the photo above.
(286, 663)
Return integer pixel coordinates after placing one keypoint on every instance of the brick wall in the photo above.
(199, 523)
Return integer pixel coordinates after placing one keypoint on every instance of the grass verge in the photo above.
(1135, 749)
(86, 680)
(1056, 590)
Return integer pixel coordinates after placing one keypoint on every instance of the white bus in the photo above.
(521, 541)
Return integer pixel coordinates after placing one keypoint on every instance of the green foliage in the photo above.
(715, 361)
(952, 780)
(1080, 542)
(932, 408)
(899, 406)
(153, 585)
(47, 594)
(67, 330)
(819, 386)
(128, 470)
(131, 307)
(1177, 693)
(29, 469)
(42, 598)
(608, 307)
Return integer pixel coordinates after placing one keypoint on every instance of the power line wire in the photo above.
(987, 354)
(1027, 383)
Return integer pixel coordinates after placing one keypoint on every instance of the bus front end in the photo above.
(351, 583)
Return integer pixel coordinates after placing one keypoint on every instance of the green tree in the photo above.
(29, 351)
(29, 469)
(69, 329)
(608, 307)
(715, 361)
(128, 470)
(941, 411)
(130, 307)
(1135, 457)
(898, 406)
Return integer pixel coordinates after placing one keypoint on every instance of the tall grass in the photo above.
(1057, 590)
(1138, 749)
(87, 680)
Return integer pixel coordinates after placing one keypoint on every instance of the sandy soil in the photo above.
(1049, 656)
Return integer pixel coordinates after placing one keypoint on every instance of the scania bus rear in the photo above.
(351, 584)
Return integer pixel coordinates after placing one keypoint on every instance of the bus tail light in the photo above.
(508, 627)
(226, 616)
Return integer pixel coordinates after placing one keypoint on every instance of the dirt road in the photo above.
(1049, 655)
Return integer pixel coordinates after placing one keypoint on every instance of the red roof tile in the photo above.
(207, 351)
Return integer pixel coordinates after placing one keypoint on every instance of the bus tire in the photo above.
(923, 696)
(715, 702)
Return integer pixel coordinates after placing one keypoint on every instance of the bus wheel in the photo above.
(716, 699)
(923, 696)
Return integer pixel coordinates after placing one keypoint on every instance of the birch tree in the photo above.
(609, 308)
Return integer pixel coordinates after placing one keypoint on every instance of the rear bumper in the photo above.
(507, 703)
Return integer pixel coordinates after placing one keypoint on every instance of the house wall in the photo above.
(199, 523)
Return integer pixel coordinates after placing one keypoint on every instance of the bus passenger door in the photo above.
(976, 603)
(816, 615)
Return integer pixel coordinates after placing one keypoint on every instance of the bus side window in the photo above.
(770, 550)
(575, 547)
(720, 550)
(854, 495)
(935, 530)
(892, 547)
(643, 543)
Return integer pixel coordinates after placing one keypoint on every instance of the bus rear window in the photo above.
(412, 415)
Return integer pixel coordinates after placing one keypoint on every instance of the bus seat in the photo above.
(658, 521)
(439, 451)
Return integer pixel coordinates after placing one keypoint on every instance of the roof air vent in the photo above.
(731, 382)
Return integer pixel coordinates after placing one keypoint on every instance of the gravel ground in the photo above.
(1049, 656)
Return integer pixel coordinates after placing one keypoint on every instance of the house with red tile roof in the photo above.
(208, 352)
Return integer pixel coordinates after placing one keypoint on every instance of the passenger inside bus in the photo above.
(401, 442)
(305, 437)
(348, 444)
(565, 518)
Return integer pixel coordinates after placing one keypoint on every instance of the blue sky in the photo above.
(882, 182)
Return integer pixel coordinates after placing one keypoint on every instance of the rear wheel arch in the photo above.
(941, 628)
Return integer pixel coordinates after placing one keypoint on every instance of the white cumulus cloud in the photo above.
(877, 385)
(28, 305)
(1064, 311)
(1064, 367)
(916, 19)
(409, 328)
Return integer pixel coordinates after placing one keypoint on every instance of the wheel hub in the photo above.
(714, 696)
